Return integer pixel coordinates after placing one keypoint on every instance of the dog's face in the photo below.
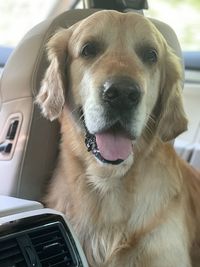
(119, 72)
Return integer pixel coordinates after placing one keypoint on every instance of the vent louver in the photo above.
(10, 254)
(52, 247)
(40, 241)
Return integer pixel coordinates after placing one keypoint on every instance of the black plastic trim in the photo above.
(192, 60)
(5, 52)
(25, 226)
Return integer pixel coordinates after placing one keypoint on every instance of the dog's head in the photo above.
(118, 70)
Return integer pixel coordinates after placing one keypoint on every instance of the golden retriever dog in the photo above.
(115, 86)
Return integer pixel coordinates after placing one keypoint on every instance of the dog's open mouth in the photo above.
(112, 146)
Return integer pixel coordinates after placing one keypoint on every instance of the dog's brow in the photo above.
(141, 46)
(91, 39)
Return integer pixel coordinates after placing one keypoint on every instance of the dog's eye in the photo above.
(89, 50)
(150, 56)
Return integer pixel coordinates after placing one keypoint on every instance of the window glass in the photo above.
(18, 16)
(182, 16)
(79, 5)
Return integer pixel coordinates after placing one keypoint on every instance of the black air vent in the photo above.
(40, 241)
(10, 254)
(52, 247)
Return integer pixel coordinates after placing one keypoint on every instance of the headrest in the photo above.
(24, 71)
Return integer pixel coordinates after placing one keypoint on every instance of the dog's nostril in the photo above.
(135, 96)
(111, 93)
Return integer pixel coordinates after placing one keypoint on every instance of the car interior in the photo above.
(29, 142)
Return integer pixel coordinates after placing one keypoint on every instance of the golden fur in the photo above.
(144, 212)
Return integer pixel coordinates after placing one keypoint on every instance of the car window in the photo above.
(182, 16)
(17, 17)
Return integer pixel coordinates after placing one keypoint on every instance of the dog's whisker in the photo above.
(75, 110)
(78, 111)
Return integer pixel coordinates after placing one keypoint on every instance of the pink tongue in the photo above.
(113, 146)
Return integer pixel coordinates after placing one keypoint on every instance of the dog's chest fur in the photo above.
(113, 210)
(109, 213)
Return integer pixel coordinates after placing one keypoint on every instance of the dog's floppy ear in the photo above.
(51, 95)
(172, 118)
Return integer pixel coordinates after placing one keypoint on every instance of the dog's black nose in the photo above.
(121, 93)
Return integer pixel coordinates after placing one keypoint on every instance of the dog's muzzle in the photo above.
(113, 143)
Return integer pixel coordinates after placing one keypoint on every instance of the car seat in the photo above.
(29, 142)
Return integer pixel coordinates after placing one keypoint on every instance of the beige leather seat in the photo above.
(30, 142)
